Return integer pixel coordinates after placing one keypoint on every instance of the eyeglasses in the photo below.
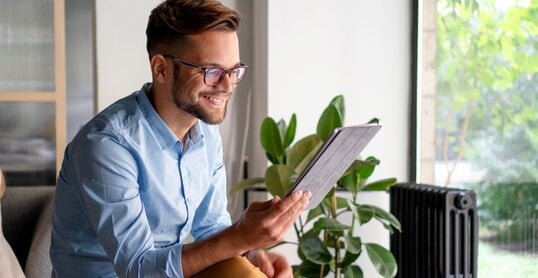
(213, 76)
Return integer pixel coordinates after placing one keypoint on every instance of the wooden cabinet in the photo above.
(32, 86)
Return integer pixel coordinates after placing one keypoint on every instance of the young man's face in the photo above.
(189, 92)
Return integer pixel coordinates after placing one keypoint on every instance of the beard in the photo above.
(191, 104)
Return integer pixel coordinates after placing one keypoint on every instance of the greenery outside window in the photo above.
(477, 120)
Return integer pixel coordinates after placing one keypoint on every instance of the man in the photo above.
(148, 170)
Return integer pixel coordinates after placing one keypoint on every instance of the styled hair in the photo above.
(171, 23)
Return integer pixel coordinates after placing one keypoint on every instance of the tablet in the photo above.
(332, 160)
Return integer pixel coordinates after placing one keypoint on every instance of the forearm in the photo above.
(201, 254)
(263, 224)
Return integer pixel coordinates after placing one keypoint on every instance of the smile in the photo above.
(216, 99)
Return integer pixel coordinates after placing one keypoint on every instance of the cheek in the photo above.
(195, 90)
(194, 83)
(189, 87)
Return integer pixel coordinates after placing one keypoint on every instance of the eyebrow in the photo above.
(215, 65)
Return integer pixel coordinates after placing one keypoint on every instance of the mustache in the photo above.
(219, 93)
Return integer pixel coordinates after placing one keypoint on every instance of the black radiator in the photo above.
(439, 235)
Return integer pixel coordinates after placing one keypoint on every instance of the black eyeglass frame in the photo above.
(205, 70)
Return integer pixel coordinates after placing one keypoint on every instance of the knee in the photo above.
(234, 267)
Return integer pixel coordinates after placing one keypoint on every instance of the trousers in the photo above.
(238, 266)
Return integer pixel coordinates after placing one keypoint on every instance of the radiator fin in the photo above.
(439, 235)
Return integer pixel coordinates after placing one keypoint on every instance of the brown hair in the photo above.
(172, 21)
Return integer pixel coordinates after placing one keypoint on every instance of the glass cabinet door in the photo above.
(32, 90)
(27, 45)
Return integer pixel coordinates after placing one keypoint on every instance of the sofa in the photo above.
(26, 223)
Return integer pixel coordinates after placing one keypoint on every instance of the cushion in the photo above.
(8, 262)
(38, 262)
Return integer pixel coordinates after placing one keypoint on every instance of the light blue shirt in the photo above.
(129, 193)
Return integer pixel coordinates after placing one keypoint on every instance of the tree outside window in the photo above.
(480, 113)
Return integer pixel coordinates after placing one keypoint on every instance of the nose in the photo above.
(226, 84)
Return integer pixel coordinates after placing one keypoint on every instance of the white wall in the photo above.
(122, 61)
(361, 49)
(318, 49)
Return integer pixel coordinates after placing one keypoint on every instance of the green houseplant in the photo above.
(324, 243)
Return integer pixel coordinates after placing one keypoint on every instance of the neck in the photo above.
(179, 121)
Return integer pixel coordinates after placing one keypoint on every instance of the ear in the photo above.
(158, 68)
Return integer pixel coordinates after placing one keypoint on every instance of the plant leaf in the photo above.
(338, 102)
(352, 271)
(374, 121)
(313, 232)
(383, 215)
(277, 179)
(382, 259)
(380, 185)
(349, 181)
(308, 269)
(300, 154)
(246, 183)
(330, 224)
(372, 160)
(271, 158)
(313, 213)
(366, 171)
(282, 127)
(314, 249)
(364, 168)
(270, 138)
(341, 202)
(290, 131)
(349, 258)
(364, 214)
(329, 120)
(353, 244)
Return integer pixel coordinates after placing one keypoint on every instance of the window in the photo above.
(478, 120)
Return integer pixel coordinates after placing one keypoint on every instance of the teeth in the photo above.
(215, 99)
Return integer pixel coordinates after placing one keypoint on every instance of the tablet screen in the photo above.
(332, 160)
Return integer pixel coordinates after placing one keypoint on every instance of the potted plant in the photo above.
(324, 243)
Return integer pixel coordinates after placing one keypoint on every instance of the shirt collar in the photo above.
(195, 135)
(162, 132)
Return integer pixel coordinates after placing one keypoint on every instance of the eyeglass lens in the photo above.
(215, 76)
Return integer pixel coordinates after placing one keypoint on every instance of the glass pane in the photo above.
(484, 79)
(79, 64)
(27, 45)
(27, 143)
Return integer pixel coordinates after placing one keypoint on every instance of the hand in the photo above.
(264, 224)
(271, 264)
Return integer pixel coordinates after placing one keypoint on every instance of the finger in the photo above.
(281, 267)
(292, 212)
(260, 259)
(288, 203)
(295, 211)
